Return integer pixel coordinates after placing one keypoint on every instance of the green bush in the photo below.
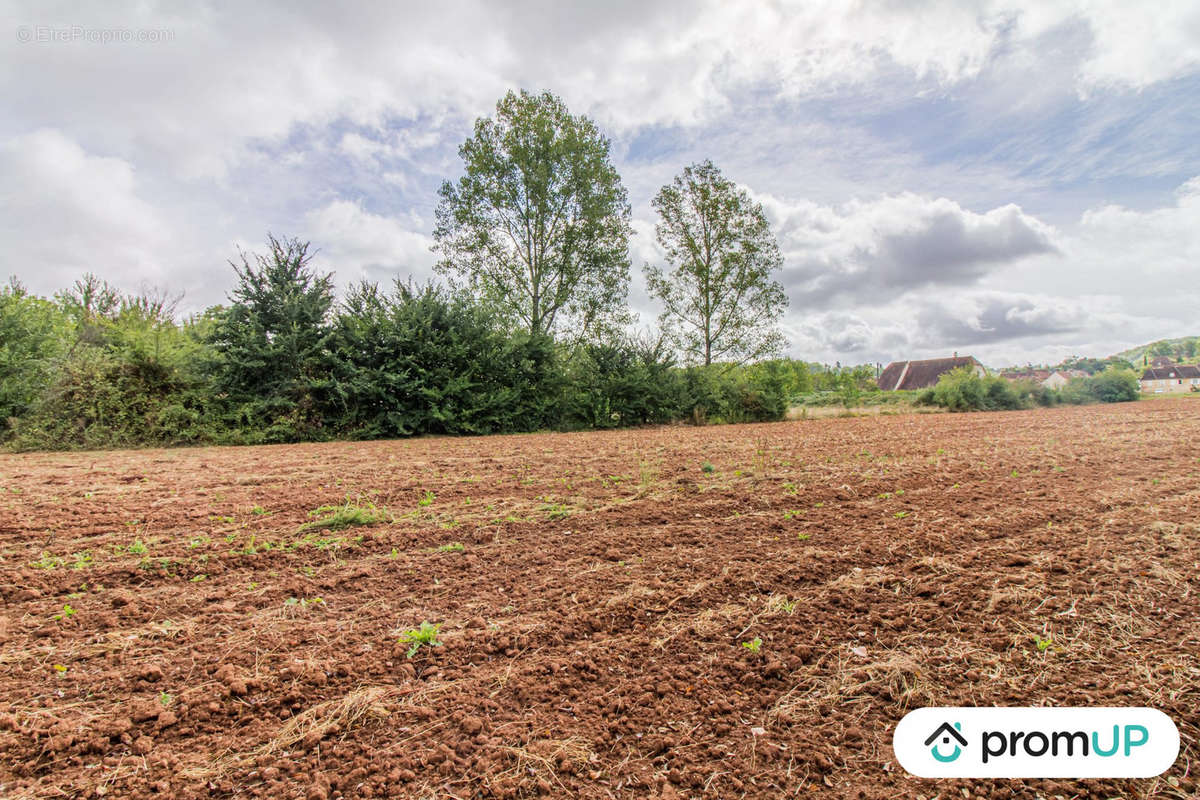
(1077, 392)
(422, 360)
(620, 384)
(124, 378)
(1115, 385)
(962, 389)
(270, 350)
(1033, 393)
(104, 398)
(726, 393)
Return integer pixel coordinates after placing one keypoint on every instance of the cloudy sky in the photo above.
(1020, 182)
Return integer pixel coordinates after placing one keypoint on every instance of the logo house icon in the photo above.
(946, 732)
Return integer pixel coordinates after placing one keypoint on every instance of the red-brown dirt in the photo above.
(168, 628)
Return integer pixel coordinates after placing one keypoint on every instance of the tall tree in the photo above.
(539, 222)
(721, 303)
(273, 341)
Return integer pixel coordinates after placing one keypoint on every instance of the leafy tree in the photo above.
(797, 375)
(721, 301)
(272, 344)
(90, 299)
(34, 335)
(539, 224)
(735, 393)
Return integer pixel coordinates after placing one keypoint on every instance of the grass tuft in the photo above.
(352, 514)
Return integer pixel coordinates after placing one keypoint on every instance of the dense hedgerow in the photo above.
(420, 360)
(285, 362)
(964, 390)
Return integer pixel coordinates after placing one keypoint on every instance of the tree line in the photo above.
(527, 328)
(285, 361)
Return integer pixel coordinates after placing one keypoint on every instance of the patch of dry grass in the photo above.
(541, 760)
(335, 716)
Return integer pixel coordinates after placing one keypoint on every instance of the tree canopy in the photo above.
(273, 341)
(539, 222)
(721, 303)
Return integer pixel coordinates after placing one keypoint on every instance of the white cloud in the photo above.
(358, 146)
(867, 250)
(999, 328)
(358, 245)
(1162, 242)
(1137, 45)
(1147, 257)
(1123, 277)
(226, 78)
(64, 212)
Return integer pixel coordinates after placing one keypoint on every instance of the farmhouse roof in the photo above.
(1026, 374)
(920, 374)
(1162, 361)
(1171, 373)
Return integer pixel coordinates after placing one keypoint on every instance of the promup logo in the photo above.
(1036, 742)
(946, 732)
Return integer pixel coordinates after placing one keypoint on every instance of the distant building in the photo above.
(1056, 380)
(1173, 378)
(1035, 375)
(1162, 361)
(923, 374)
(1061, 377)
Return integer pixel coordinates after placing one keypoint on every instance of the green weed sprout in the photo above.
(425, 635)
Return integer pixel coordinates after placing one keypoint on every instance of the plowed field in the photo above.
(725, 612)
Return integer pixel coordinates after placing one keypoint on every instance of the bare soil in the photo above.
(167, 627)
